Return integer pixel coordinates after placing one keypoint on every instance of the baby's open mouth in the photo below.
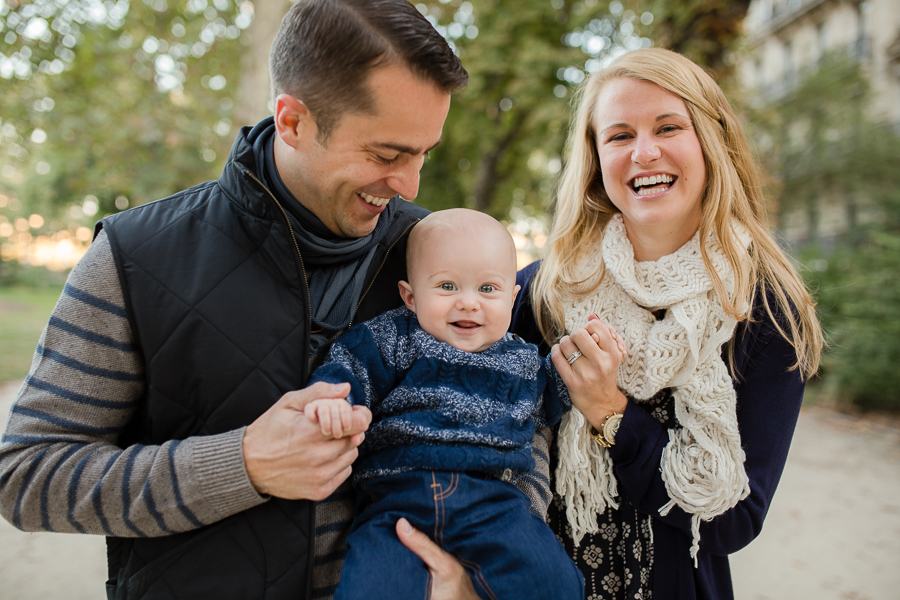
(466, 324)
(644, 186)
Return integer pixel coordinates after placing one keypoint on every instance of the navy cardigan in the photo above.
(768, 403)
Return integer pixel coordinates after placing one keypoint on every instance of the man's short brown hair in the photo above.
(325, 49)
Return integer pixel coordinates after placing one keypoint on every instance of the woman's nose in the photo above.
(645, 151)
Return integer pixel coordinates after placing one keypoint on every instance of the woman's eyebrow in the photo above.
(671, 114)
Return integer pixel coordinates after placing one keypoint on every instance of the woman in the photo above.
(660, 231)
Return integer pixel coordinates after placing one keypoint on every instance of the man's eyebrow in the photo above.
(661, 117)
(406, 149)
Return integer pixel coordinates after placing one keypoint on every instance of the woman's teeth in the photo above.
(645, 185)
(373, 200)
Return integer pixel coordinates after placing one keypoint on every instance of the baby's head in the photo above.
(461, 267)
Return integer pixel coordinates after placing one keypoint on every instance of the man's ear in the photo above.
(406, 293)
(293, 121)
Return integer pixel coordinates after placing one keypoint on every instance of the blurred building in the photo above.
(789, 39)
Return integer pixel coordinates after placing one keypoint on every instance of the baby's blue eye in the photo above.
(449, 287)
(486, 288)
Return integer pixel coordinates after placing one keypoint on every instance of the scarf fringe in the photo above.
(703, 464)
(588, 491)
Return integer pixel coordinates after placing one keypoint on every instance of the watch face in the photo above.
(614, 426)
(611, 427)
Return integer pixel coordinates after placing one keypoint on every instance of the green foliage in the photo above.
(23, 314)
(504, 137)
(702, 30)
(122, 95)
(819, 144)
(818, 140)
(15, 274)
(120, 101)
(859, 303)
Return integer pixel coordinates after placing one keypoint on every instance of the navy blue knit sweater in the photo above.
(437, 407)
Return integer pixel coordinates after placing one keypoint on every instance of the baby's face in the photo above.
(463, 288)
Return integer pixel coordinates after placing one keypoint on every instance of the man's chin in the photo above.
(359, 228)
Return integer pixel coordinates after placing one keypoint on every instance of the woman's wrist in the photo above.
(597, 415)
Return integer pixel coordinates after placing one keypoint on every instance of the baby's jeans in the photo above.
(485, 523)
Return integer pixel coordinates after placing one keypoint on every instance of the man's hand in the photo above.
(449, 580)
(287, 456)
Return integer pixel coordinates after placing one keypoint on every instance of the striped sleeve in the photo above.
(536, 484)
(334, 516)
(60, 467)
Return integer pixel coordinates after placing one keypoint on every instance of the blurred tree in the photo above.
(859, 300)
(504, 137)
(113, 104)
(253, 90)
(818, 142)
(122, 102)
(822, 147)
(702, 30)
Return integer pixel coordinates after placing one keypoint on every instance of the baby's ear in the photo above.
(516, 292)
(406, 292)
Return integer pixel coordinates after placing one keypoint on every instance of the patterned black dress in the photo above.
(617, 561)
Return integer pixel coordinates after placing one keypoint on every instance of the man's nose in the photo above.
(405, 179)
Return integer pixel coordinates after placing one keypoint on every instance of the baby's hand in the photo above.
(620, 343)
(334, 416)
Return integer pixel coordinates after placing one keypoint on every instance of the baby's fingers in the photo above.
(346, 417)
(325, 420)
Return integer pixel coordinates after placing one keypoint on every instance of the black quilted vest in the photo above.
(218, 304)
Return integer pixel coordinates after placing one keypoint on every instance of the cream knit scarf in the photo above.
(703, 463)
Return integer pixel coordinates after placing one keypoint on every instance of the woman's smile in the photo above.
(652, 164)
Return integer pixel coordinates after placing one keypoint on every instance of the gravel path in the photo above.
(833, 531)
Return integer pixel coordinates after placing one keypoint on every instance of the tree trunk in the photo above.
(254, 87)
(488, 177)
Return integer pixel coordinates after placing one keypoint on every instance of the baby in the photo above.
(455, 402)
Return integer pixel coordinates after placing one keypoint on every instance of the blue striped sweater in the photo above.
(437, 407)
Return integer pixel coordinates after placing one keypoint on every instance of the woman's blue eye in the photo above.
(486, 288)
(449, 287)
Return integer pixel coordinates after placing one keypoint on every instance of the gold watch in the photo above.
(606, 437)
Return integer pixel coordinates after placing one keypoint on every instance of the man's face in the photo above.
(347, 180)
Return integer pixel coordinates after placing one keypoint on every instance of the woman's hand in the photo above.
(449, 580)
(591, 377)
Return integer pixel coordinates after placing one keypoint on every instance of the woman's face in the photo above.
(652, 164)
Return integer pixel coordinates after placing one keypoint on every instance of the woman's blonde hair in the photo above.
(732, 192)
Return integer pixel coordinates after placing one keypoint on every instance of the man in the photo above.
(159, 409)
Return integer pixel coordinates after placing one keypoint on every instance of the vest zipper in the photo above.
(287, 222)
(374, 277)
(312, 510)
